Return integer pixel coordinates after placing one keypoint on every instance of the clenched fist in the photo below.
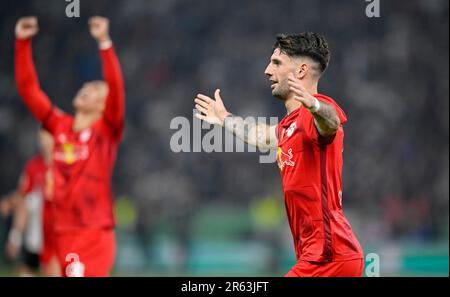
(99, 28)
(26, 27)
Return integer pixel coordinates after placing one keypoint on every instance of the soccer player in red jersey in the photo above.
(310, 141)
(84, 153)
(31, 205)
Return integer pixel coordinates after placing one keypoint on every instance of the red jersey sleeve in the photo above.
(115, 101)
(310, 127)
(26, 180)
(27, 81)
(54, 118)
(29, 88)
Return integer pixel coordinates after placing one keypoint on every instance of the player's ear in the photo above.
(302, 70)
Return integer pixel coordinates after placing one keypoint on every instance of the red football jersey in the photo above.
(33, 176)
(311, 172)
(36, 177)
(83, 161)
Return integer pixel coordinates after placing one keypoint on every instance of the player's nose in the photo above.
(268, 71)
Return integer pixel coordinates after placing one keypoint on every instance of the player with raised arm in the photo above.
(309, 141)
(85, 148)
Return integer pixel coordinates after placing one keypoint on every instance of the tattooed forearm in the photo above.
(259, 135)
(326, 120)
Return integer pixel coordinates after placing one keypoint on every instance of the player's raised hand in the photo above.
(211, 111)
(300, 92)
(27, 27)
(99, 28)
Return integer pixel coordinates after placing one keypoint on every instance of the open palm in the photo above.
(211, 111)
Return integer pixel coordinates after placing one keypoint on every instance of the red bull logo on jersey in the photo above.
(70, 153)
(285, 159)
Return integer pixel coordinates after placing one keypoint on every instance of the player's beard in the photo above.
(281, 91)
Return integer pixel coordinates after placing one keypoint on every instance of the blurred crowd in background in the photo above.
(389, 74)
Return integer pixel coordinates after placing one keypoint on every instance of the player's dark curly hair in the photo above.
(307, 44)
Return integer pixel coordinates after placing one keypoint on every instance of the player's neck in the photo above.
(84, 120)
(47, 157)
(291, 105)
(312, 87)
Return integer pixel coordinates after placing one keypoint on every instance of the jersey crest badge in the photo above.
(291, 129)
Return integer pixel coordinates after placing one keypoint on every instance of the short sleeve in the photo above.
(310, 127)
(26, 181)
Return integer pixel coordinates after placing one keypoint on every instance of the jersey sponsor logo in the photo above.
(285, 159)
(75, 268)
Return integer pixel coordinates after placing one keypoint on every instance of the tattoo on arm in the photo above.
(326, 120)
(257, 134)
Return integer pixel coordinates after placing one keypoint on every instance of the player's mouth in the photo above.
(273, 84)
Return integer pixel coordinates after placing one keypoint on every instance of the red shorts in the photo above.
(351, 268)
(89, 252)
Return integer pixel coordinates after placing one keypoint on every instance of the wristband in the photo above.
(315, 108)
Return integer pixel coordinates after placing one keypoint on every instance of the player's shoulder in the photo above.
(34, 162)
(108, 130)
(326, 98)
(36, 159)
(56, 120)
(340, 111)
(62, 115)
